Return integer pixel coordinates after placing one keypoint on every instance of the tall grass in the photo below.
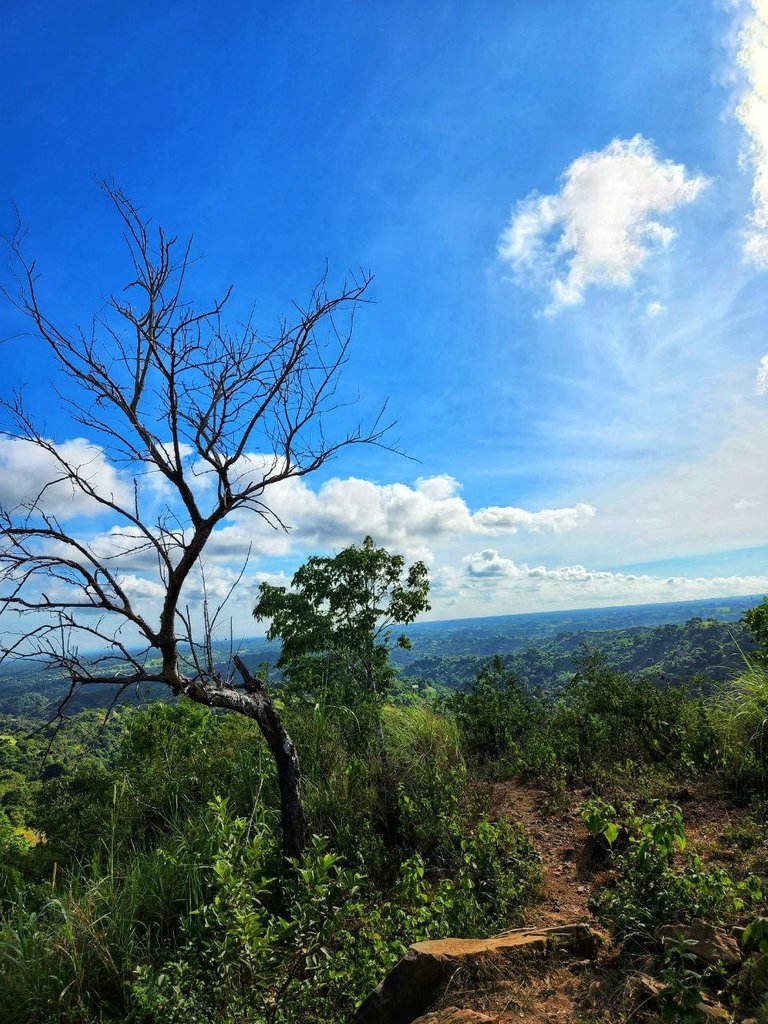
(69, 947)
(740, 720)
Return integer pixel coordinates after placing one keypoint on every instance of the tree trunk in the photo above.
(286, 759)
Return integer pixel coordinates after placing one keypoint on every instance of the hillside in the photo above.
(580, 818)
(708, 648)
(538, 647)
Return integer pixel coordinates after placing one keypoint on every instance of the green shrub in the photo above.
(427, 772)
(740, 721)
(651, 890)
(267, 947)
(497, 716)
(604, 719)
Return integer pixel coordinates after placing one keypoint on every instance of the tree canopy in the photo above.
(336, 622)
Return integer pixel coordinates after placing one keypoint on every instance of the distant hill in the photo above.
(708, 648)
(678, 640)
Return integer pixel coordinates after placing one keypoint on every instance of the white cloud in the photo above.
(486, 578)
(407, 518)
(602, 225)
(509, 519)
(752, 112)
(762, 376)
(26, 469)
(488, 564)
(654, 309)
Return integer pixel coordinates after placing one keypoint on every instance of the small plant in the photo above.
(599, 818)
(651, 890)
(680, 1002)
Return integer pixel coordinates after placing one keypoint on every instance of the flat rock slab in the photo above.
(454, 1015)
(413, 983)
(707, 943)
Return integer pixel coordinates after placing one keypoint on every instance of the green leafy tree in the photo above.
(756, 622)
(336, 623)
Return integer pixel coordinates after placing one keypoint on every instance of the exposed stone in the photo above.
(647, 993)
(714, 1012)
(709, 944)
(579, 939)
(413, 983)
(645, 989)
(737, 931)
(454, 1015)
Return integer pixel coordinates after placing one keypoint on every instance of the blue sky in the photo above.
(596, 384)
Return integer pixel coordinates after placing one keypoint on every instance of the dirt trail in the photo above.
(540, 992)
(558, 835)
(553, 991)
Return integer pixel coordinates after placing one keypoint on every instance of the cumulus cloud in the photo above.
(407, 517)
(488, 564)
(487, 577)
(762, 376)
(509, 519)
(752, 112)
(654, 309)
(26, 469)
(602, 225)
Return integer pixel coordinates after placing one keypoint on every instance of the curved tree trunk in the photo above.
(286, 759)
(255, 702)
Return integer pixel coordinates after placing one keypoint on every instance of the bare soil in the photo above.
(555, 989)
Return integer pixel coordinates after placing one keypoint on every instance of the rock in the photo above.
(646, 989)
(714, 1012)
(454, 1015)
(413, 983)
(709, 944)
(579, 939)
(737, 931)
(647, 992)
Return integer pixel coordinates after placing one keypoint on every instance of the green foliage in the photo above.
(600, 719)
(604, 718)
(600, 819)
(497, 717)
(426, 770)
(740, 720)
(335, 624)
(651, 889)
(14, 850)
(680, 1002)
(154, 900)
(755, 620)
(306, 946)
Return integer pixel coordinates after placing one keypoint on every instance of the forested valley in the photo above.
(141, 875)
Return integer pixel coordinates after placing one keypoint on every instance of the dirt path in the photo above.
(540, 992)
(552, 991)
(558, 835)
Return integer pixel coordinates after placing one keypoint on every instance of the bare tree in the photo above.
(171, 394)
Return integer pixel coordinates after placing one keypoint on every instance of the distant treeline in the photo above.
(708, 648)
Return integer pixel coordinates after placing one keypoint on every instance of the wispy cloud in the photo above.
(602, 225)
(752, 112)
(762, 376)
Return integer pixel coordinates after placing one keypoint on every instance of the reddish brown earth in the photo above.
(550, 989)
